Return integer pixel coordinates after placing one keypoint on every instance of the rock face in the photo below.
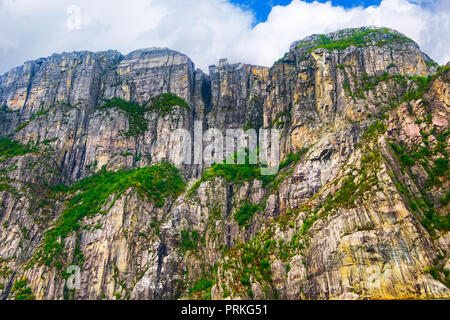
(358, 210)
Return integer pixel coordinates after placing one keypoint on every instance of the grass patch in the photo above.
(189, 240)
(11, 148)
(136, 115)
(155, 183)
(308, 223)
(440, 167)
(245, 213)
(445, 199)
(240, 173)
(358, 38)
(8, 188)
(346, 195)
(204, 284)
(232, 173)
(21, 291)
(440, 274)
(430, 220)
(255, 260)
(374, 131)
(423, 84)
(293, 158)
(163, 104)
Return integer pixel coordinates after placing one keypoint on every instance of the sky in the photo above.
(250, 31)
(262, 8)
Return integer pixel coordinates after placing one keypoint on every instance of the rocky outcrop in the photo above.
(358, 210)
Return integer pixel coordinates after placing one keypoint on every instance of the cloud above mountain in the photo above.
(206, 30)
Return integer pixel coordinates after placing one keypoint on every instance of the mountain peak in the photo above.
(358, 37)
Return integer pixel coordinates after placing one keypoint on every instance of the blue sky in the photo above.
(262, 8)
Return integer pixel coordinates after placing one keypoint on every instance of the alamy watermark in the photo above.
(74, 278)
(235, 146)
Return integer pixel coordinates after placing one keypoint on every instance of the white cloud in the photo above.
(206, 30)
(426, 25)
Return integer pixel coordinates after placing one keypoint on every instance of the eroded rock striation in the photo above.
(358, 210)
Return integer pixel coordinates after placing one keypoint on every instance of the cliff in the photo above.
(358, 210)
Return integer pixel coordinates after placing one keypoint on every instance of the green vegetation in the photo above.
(21, 291)
(391, 65)
(233, 173)
(240, 173)
(415, 86)
(5, 272)
(438, 270)
(247, 126)
(370, 83)
(407, 160)
(374, 131)
(293, 158)
(162, 104)
(433, 221)
(441, 167)
(245, 213)
(136, 115)
(361, 38)
(439, 274)
(41, 112)
(204, 284)
(430, 219)
(255, 259)
(308, 223)
(250, 262)
(8, 188)
(10, 148)
(354, 187)
(280, 119)
(444, 200)
(156, 183)
(22, 126)
(189, 240)
(346, 195)
(423, 84)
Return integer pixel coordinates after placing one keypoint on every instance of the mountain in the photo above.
(358, 210)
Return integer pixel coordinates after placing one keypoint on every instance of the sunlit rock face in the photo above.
(358, 210)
